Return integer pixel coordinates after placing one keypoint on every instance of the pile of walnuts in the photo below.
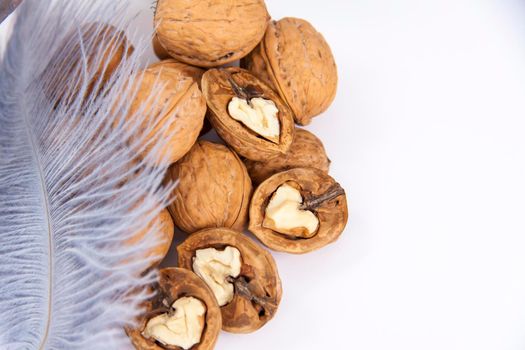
(269, 176)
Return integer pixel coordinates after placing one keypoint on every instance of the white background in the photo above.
(427, 136)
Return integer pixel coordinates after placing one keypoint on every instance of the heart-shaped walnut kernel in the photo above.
(241, 273)
(247, 114)
(184, 314)
(276, 218)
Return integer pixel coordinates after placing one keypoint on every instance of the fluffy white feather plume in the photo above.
(72, 189)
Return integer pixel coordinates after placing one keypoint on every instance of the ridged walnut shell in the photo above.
(213, 189)
(297, 61)
(218, 92)
(175, 283)
(314, 185)
(210, 33)
(105, 47)
(306, 150)
(179, 100)
(164, 234)
(241, 315)
(159, 50)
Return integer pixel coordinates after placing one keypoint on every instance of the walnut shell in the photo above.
(213, 189)
(241, 315)
(179, 96)
(206, 128)
(165, 231)
(210, 33)
(159, 50)
(105, 47)
(218, 92)
(306, 151)
(296, 60)
(175, 283)
(317, 188)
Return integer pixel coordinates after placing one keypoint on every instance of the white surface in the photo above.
(427, 136)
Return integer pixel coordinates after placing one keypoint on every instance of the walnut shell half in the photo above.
(297, 61)
(175, 283)
(306, 150)
(219, 87)
(213, 189)
(210, 33)
(257, 289)
(180, 96)
(320, 194)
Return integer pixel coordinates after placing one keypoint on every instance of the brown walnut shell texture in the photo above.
(306, 150)
(297, 61)
(258, 265)
(218, 93)
(332, 214)
(105, 48)
(210, 33)
(213, 189)
(175, 283)
(165, 230)
(180, 96)
(159, 50)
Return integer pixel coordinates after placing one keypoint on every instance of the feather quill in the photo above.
(73, 187)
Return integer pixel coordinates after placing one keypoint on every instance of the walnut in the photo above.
(180, 96)
(105, 47)
(284, 213)
(159, 50)
(164, 233)
(182, 327)
(298, 63)
(247, 114)
(240, 264)
(7, 7)
(182, 315)
(306, 151)
(283, 221)
(258, 114)
(210, 33)
(213, 189)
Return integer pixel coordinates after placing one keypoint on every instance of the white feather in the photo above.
(69, 190)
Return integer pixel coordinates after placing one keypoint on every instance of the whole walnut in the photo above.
(297, 62)
(306, 150)
(213, 189)
(210, 33)
(169, 89)
(105, 48)
(164, 229)
(159, 50)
